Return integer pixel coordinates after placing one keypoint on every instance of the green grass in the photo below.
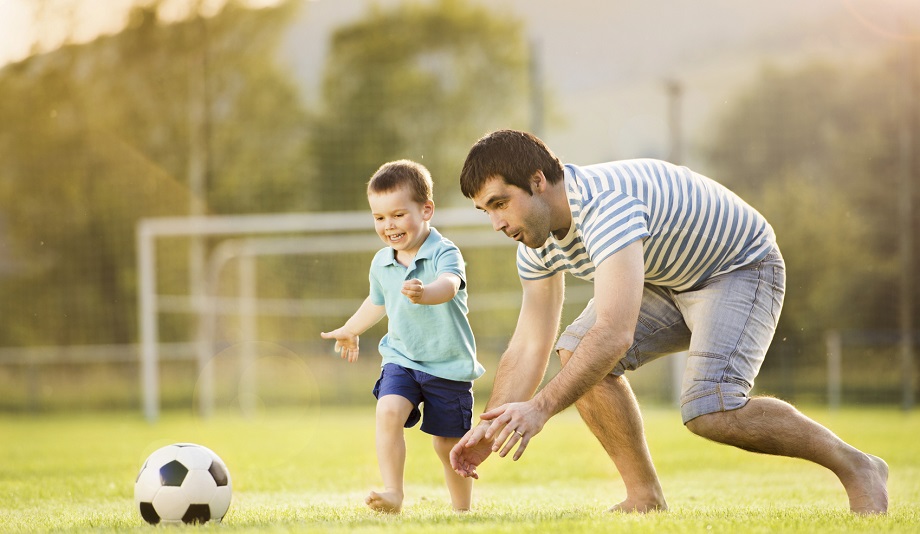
(309, 471)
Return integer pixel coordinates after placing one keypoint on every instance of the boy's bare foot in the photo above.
(640, 506)
(389, 502)
(867, 488)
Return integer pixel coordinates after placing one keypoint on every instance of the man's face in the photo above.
(521, 216)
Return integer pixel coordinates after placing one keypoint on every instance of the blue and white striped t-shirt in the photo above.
(693, 228)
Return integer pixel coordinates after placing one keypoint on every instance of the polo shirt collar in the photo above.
(426, 251)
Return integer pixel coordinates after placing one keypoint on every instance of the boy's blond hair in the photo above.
(403, 173)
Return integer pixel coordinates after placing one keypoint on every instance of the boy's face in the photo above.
(400, 221)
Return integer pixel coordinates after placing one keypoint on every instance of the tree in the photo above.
(816, 150)
(96, 136)
(421, 81)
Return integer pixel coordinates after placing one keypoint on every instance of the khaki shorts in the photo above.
(726, 324)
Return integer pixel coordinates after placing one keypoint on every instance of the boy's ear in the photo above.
(427, 210)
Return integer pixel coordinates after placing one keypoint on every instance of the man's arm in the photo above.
(522, 365)
(618, 286)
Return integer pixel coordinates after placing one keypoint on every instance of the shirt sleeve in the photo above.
(612, 221)
(529, 264)
(376, 291)
(449, 260)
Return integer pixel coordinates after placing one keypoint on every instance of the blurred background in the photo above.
(264, 120)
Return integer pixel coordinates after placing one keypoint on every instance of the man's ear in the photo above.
(537, 182)
(427, 210)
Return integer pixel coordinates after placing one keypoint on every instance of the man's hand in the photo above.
(413, 290)
(345, 343)
(514, 424)
(471, 451)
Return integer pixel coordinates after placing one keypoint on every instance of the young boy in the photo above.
(429, 355)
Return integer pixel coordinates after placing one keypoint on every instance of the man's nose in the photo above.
(498, 224)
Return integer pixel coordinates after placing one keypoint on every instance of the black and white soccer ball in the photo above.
(183, 483)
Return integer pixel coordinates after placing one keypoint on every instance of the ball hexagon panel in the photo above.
(170, 503)
(199, 486)
(194, 457)
(147, 485)
(220, 503)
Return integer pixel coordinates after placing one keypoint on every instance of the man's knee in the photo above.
(564, 356)
(709, 426)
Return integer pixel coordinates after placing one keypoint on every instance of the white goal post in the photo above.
(316, 233)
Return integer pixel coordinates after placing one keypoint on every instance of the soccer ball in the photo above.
(183, 482)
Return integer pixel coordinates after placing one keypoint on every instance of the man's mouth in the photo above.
(396, 237)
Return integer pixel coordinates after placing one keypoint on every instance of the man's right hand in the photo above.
(471, 450)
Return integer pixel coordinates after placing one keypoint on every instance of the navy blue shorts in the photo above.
(448, 403)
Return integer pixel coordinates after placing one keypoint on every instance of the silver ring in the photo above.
(519, 433)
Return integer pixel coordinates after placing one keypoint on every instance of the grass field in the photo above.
(309, 471)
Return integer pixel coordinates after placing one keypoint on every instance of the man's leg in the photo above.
(612, 414)
(771, 426)
(733, 318)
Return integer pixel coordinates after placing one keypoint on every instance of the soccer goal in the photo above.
(334, 240)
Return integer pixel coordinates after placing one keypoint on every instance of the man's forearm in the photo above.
(595, 357)
(517, 378)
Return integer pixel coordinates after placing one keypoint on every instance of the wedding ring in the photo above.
(519, 433)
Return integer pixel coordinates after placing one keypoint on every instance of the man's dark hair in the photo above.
(511, 154)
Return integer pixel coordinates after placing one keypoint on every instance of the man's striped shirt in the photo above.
(692, 227)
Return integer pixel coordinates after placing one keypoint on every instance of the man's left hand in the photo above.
(513, 424)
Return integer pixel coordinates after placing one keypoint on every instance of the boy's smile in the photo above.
(401, 221)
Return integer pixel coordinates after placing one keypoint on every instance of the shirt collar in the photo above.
(426, 251)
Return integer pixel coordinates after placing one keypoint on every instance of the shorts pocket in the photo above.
(465, 405)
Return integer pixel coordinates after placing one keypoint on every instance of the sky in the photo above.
(24, 23)
(19, 29)
(606, 71)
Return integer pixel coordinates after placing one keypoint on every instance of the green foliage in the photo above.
(816, 149)
(105, 140)
(422, 81)
(309, 470)
(114, 129)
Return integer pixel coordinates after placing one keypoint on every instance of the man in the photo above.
(678, 262)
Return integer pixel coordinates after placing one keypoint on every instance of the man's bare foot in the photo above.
(637, 506)
(867, 488)
(389, 502)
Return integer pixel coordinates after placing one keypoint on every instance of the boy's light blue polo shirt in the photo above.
(435, 339)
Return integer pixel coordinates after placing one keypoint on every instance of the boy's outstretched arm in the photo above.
(346, 336)
(438, 292)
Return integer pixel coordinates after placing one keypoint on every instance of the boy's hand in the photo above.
(345, 342)
(413, 290)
